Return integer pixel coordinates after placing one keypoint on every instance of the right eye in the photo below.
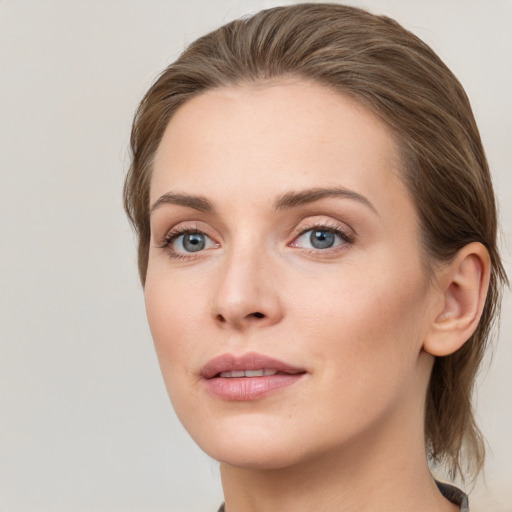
(191, 242)
(180, 243)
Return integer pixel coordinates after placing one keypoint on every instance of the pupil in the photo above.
(322, 239)
(193, 242)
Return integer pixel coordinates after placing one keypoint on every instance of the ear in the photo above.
(462, 285)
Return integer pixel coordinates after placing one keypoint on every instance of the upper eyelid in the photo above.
(328, 224)
(182, 227)
(325, 225)
(177, 231)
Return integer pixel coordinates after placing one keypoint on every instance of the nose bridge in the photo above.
(246, 293)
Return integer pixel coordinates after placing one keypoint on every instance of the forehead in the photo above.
(283, 134)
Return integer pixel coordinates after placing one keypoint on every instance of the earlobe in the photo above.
(463, 285)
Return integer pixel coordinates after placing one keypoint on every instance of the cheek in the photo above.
(365, 335)
(173, 316)
(174, 320)
(367, 320)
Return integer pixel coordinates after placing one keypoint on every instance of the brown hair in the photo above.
(397, 76)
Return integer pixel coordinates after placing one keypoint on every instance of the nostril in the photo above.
(235, 320)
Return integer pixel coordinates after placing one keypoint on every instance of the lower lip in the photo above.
(249, 388)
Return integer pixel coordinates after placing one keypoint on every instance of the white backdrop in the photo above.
(85, 421)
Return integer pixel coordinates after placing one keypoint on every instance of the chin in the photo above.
(256, 457)
(245, 442)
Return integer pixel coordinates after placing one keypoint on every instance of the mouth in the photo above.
(248, 377)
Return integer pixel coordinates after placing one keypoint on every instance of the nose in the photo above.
(247, 293)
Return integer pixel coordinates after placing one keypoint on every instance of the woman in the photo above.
(317, 246)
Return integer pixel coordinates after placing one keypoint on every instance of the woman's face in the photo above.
(285, 290)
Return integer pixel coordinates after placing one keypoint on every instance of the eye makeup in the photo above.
(314, 237)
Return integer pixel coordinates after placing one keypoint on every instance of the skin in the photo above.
(355, 316)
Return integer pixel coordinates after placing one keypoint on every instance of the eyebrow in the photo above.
(283, 202)
(196, 202)
(295, 199)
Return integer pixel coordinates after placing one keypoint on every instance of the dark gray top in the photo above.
(455, 495)
(450, 492)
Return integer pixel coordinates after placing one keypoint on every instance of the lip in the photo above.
(247, 388)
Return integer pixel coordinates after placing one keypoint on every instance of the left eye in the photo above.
(320, 239)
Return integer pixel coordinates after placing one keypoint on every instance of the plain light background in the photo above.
(85, 420)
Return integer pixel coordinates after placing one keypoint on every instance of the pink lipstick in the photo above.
(247, 377)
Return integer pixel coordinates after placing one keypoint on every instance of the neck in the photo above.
(337, 482)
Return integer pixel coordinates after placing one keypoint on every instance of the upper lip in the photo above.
(249, 361)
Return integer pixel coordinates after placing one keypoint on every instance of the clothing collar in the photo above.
(455, 495)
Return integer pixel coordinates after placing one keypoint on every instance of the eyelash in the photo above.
(174, 234)
(336, 229)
